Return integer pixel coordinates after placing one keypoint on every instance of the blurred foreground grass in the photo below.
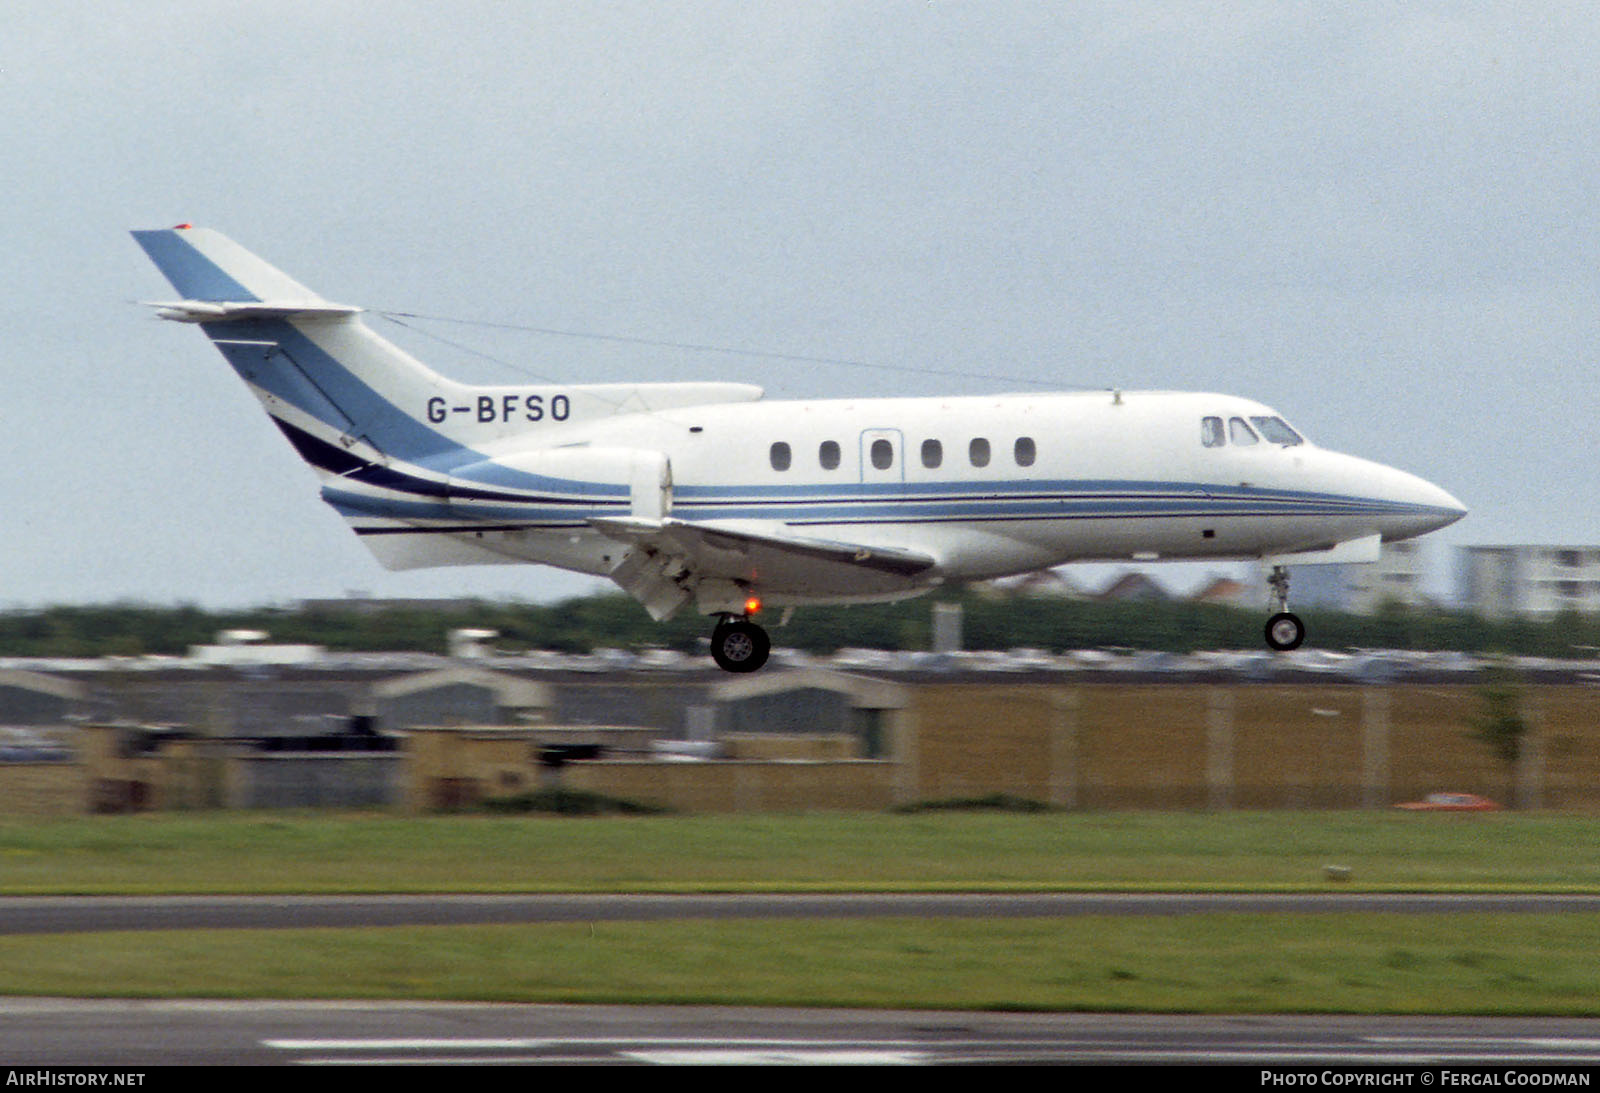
(1227, 963)
(229, 852)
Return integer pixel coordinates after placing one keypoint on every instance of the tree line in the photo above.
(990, 621)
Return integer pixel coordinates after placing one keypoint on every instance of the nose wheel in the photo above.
(739, 645)
(1284, 630)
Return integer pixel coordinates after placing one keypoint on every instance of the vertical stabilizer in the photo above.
(206, 265)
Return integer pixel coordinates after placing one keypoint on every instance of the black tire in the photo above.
(740, 646)
(1285, 631)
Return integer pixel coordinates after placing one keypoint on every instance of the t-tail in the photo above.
(323, 374)
(395, 442)
(342, 394)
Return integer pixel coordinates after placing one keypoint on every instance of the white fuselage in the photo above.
(987, 486)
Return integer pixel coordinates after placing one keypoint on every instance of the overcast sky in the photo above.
(1380, 219)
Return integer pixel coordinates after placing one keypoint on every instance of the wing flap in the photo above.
(673, 561)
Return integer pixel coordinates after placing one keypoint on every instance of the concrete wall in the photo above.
(1242, 746)
(1088, 746)
(337, 780)
(43, 789)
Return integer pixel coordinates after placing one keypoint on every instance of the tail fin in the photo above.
(329, 382)
(207, 265)
(361, 410)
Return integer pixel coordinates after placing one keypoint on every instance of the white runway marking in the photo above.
(1497, 1043)
(814, 1057)
(661, 1051)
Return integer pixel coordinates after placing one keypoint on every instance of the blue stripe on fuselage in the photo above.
(361, 504)
(823, 511)
(361, 409)
(316, 384)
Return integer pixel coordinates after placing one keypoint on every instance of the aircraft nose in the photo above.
(1433, 507)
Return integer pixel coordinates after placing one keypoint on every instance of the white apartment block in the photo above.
(1395, 578)
(1530, 581)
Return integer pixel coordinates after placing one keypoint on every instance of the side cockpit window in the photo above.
(1241, 433)
(1277, 431)
(1211, 434)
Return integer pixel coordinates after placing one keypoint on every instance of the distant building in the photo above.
(1395, 579)
(1041, 582)
(1134, 586)
(1530, 581)
(1228, 592)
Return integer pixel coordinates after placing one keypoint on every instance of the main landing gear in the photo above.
(739, 645)
(1285, 631)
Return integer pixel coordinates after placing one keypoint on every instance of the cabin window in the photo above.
(1240, 433)
(932, 453)
(1211, 432)
(1024, 451)
(882, 454)
(780, 456)
(978, 452)
(828, 455)
(1277, 431)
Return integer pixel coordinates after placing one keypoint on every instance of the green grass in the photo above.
(327, 853)
(1223, 963)
(1466, 964)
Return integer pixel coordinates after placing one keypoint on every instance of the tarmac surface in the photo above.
(76, 914)
(136, 1035)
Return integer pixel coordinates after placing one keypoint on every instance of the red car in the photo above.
(1452, 802)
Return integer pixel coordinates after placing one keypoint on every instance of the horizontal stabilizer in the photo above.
(222, 311)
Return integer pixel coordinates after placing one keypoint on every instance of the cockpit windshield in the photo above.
(1277, 431)
(1217, 432)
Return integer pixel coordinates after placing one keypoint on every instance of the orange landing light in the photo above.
(752, 606)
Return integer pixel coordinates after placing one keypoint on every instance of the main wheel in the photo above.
(740, 646)
(1285, 631)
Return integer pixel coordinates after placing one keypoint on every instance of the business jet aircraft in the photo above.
(703, 494)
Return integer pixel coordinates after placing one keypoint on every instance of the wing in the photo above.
(672, 561)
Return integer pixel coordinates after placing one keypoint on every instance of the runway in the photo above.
(130, 1035)
(77, 914)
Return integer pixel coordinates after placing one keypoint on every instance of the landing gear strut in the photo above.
(1285, 631)
(739, 645)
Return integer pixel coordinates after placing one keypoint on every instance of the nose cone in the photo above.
(1422, 506)
(1396, 504)
(1448, 509)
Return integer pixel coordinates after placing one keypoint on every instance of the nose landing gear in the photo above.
(739, 645)
(1284, 630)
